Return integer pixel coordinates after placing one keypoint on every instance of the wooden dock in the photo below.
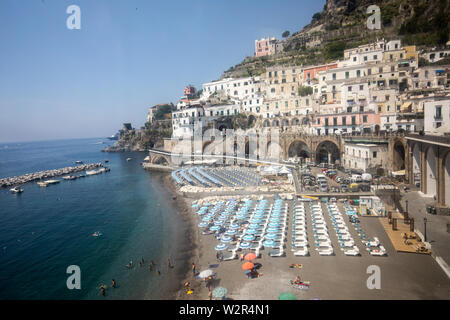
(397, 239)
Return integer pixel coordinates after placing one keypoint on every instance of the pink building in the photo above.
(266, 47)
(346, 122)
(310, 73)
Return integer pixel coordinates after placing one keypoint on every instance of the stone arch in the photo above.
(160, 159)
(430, 171)
(266, 123)
(285, 122)
(276, 123)
(206, 144)
(398, 155)
(251, 121)
(327, 151)
(299, 148)
(295, 122)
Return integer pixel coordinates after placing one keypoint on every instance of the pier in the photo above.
(30, 177)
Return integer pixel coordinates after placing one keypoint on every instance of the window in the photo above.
(365, 119)
(358, 73)
(275, 73)
(374, 154)
(267, 106)
(353, 120)
(361, 87)
(347, 75)
(344, 121)
(334, 76)
(365, 58)
(272, 90)
(438, 113)
(375, 57)
(354, 59)
(349, 88)
(283, 80)
(276, 105)
(334, 121)
(270, 74)
(286, 104)
(369, 71)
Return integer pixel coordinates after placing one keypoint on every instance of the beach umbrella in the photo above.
(271, 236)
(214, 228)
(218, 222)
(205, 273)
(250, 256)
(195, 205)
(248, 266)
(255, 220)
(274, 225)
(203, 224)
(207, 219)
(226, 239)
(287, 296)
(221, 246)
(233, 226)
(231, 232)
(248, 237)
(269, 243)
(219, 292)
(272, 230)
(250, 231)
(253, 225)
(245, 245)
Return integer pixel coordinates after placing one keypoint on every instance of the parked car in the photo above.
(344, 188)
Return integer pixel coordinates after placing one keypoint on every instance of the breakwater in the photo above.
(29, 177)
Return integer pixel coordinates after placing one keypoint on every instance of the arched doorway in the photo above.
(266, 124)
(431, 172)
(251, 121)
(328, 152)
(398, 157)
(275, 123)
(295, 122)
(285, 123)
(299, 149)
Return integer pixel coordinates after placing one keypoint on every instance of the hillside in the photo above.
(342, 25)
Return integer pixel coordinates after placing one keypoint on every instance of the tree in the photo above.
(285, 34)
(305, 91)
(316, 16)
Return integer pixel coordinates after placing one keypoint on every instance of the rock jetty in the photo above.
(29, 177)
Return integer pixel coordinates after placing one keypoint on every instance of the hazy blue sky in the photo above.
(129, 54)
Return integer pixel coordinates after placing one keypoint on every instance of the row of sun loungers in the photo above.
(346, 241)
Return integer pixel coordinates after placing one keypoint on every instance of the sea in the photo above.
(44, 231)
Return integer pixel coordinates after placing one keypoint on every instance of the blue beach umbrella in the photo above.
(271, 236)
(250, 231)
(233, 226)
(268, 243)
(195, 205)
(207, 219)
(272, 230)
(253, 225)
(218, 223)
(274, 225)
(248, 237)
(214, 228)
(255, 220)
(203, 224)
(221, 246)
(245, 245)
(226, 239)
(231, 232)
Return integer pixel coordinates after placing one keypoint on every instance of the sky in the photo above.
(58, 83)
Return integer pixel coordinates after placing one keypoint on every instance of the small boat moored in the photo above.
(79, 162)
(70, 177)
(16, 190)
(129, 159)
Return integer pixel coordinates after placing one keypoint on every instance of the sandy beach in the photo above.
(331, 277)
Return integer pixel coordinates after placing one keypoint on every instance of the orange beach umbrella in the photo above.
(250, 256)
(247, 266)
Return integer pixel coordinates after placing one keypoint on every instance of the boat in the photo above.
(97, 234)
(92, 172)
(16, 190)
(52, 181)
(70, 177)
(78, 162)
(114, 137)
(42, 184)
(82, 176)
(129, 159)
(106, 160)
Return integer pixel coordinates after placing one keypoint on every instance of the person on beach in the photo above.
(210, 295)
(103, 290)
(153, 263)
(150, 267)
(168, 264)
(241, 257)
(159, 273)
(193, 268)
(298, 280)
(143, 261)
(187, 286)
(113, 283)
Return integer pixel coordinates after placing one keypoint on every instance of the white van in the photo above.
(366, 177)
(356, 178)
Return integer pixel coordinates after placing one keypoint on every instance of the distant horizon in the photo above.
(126, 57)
(49, 140)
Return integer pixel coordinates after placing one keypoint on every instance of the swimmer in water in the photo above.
(113, 283)
(130, 264)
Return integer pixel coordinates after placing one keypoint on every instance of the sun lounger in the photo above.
(303, 251)
(230, 256)
(381, 251)
(354, 251)
(326, 252)
(277, 253)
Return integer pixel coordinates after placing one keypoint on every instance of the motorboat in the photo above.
(91, 172)
(42, 184)
(129, 159)
(16, 190)
(52, 181)
(70, 177)
(79, 162)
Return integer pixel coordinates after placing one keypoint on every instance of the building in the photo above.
(437, 117)
(267, 47)
(362, 156)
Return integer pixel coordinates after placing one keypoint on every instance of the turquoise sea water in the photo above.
(44, 230)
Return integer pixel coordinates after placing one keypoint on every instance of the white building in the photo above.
(363, 156)
(437, 116)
